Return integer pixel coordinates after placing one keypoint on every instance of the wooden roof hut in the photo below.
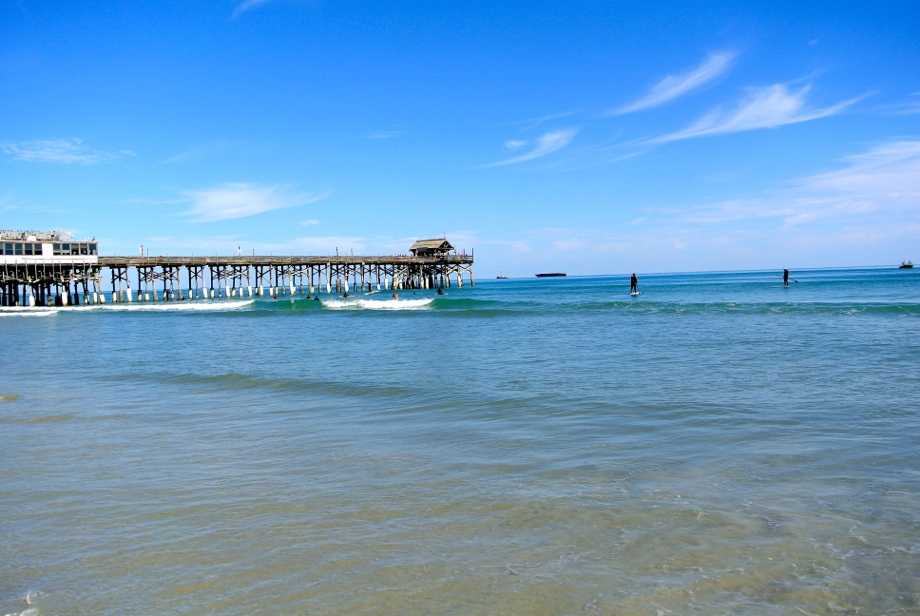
(431, 248)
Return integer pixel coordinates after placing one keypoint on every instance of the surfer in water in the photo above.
(395, 296)
(785, 277)
(633, 284)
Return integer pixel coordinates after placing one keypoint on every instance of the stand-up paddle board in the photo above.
(636, 293)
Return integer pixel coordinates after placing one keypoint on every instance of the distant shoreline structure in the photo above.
(553, 275)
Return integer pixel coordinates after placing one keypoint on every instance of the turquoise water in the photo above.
(717, 445)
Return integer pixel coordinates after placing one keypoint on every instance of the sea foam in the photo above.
(377, 304)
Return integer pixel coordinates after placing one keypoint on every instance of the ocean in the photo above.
(717, 445)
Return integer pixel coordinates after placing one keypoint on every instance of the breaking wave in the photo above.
(377, 304)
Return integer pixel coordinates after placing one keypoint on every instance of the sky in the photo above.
(584, 137)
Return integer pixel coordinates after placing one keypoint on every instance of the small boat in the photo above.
(906, 265)
(501, 276)
(554, 275)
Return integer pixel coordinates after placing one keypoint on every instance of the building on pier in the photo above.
(49, 269)
(431, 248)
(46, 268)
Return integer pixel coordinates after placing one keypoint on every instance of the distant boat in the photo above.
(501, 276)
(906, 265)
(554, 275)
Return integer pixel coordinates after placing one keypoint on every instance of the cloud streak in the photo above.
(238, 200)
(60, 151)
(674, 86)
(244, 6)
(547, 144)
(768, 107)
(874, 188)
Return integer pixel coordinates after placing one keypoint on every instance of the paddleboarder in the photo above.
(633, 284)
(785, 277)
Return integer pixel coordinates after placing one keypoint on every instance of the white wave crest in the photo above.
(377, 304)
(187, 305)
(16, 311)
(42, 311)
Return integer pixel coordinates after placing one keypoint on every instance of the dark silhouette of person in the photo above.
(785, 277)
(440, 292)
(634, 284)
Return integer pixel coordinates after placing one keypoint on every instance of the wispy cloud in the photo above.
(196, 153)
(238, 200)
(513, 144)
(865, 211)
(877, 186)
(548, 143)
(768, 107)
(535, 122)
(7, 204)
(674, 86)
(904, 108)
(244, 6)
(62, 151)
(386, 134)
(309, 223)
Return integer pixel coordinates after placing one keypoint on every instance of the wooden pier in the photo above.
(61, 280)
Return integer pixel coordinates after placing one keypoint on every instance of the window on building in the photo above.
(57, 250)
(9, 249)
(28, 248)
(92, 249)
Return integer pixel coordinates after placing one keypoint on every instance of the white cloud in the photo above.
(244, 6)
(512, 144)
(195, 154)
(237, 200)
(386, 134)
(548, 143)
(864, 212)
(63, 151)
(673, 86)
(766, 107)
(535, 122)
(309, 223)
(875, 188)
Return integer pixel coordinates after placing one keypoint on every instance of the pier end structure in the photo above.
(46, 268)
(50, 269)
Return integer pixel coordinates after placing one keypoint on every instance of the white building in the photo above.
(45, 247)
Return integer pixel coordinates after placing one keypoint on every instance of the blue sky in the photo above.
(585, 137)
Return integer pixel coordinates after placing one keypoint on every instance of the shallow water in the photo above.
(717, 445)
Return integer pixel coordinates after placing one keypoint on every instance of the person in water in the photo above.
(634, 284)
(440, 292)
(785, 277)
(395, 296)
